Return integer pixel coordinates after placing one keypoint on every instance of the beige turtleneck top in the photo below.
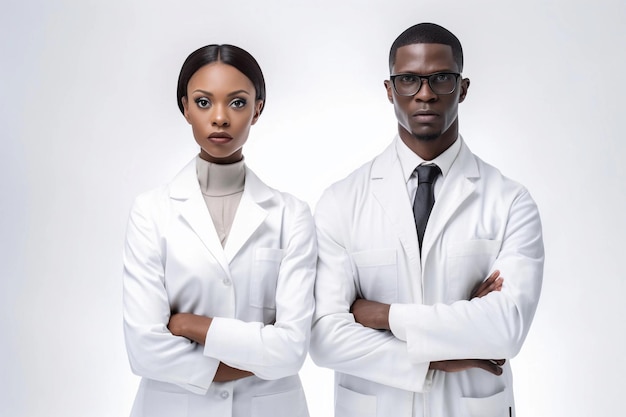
(222, 187)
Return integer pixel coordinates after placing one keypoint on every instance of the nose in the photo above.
(425, 93)
(219, 116)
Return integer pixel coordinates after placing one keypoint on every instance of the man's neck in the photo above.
(429, 148)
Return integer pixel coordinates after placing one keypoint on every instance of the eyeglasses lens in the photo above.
(410, 84)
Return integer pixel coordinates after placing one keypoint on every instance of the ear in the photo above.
(185, 108)
(465, 83)
(258, 106)
(389, 89)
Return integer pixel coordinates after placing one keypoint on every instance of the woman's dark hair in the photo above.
(227, 54)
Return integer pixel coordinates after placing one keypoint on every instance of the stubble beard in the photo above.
(426, 138)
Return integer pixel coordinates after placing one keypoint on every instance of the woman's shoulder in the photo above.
(261, 190)
(269, 196)
(153, 203)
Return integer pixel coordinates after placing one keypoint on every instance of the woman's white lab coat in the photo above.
(258, 288)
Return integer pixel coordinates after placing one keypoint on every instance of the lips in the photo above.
(425, 116)
(220, 137)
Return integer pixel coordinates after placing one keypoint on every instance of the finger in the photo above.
(498, 362)
(483, 287)
(489, 366)
(491, 279)
(497, 284)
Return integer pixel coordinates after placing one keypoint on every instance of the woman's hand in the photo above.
(226, 373)
(195, 328)
(191, 326)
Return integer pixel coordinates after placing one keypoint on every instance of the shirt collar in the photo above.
(218, 180)
(409, 160)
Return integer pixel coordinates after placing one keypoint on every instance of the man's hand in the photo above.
(493, 283)
(371, 314)
(492, 366)
(375, 315)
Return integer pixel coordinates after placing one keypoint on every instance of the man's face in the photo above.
(427, 122)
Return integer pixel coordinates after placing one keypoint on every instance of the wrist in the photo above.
(383, 317)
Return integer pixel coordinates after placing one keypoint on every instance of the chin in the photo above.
(426, 137)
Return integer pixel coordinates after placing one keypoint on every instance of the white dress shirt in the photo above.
(409, 160)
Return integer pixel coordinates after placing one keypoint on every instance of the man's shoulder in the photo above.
(353, 184)
(361, 176)
(491, 179)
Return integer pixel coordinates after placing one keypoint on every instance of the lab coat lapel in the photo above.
(249, 216)
(186, 189)
(458, 186)
(389, 189)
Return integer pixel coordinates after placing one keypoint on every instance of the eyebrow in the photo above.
(425, 75)
(234, 93)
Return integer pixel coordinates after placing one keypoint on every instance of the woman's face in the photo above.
(220, 107)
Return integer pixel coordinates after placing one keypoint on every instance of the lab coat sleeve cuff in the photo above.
(232, 341)
(203, 376)
(398, 320)
(428, 381)
(217, 332)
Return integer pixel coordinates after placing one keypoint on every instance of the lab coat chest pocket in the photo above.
(472, 259)
(265, 277)
(378, 274)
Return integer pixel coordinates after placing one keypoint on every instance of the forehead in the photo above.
(217, 76)
(424, 58)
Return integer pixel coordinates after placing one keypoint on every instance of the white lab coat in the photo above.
(258, 288)
(368, 248)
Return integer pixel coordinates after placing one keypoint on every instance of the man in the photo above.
(411, 311)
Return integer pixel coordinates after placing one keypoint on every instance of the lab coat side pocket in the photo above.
(265, 276)
(285, 404)
(378, 274)
(350, 403)
(492, 406)
(160, 399)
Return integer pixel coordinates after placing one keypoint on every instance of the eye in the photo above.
(203, 102)
(407, 79)
(238, 103)
(443, 78)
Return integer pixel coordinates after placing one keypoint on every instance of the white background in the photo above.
(89, 120)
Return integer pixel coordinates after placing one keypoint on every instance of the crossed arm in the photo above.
(375, 315)
(195, 328)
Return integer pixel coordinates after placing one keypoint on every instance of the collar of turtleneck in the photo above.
(219, 180)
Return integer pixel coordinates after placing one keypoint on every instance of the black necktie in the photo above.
(424, 197)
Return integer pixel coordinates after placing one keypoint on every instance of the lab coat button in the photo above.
(226, 282)
(224, 394)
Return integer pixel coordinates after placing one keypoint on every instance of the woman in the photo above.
(218, 267)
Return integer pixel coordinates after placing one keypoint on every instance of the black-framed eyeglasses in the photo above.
(439, 83)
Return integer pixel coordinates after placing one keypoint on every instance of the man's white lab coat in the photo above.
(368, 249)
